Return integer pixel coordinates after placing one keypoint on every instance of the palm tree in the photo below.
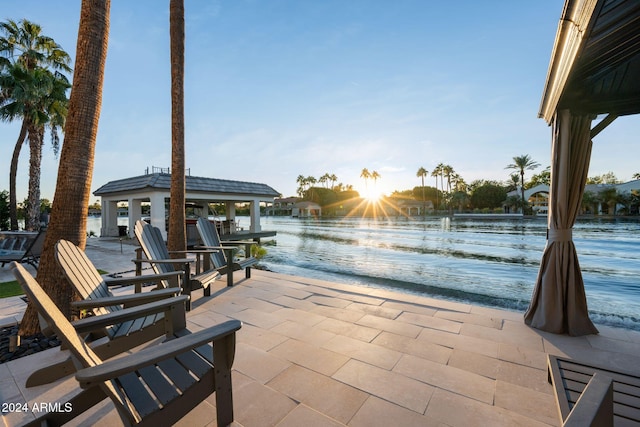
(636, 175)
(23, 45)
(435, 173)
(333, 178)
(75, 170)
(375, 176)
(39, 97)
(325, 180)
(522, 163)
(365, 174)
(176, 237)
(422, 172)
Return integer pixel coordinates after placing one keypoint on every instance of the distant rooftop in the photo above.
(193, 184)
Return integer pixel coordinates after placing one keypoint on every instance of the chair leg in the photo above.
(51, 373)
(247, 272)
(230, 277)
(222, 372)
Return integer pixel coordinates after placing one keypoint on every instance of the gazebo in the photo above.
(200, 192)
(594, 69)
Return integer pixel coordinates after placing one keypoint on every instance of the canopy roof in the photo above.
(162, 181)
(595, 62)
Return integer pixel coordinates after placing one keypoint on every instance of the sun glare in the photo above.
(372, 194)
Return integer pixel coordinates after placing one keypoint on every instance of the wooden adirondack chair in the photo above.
(155, 386)
(155, 249)
(30, 253)
(587, 394)
(223, 260)
(98, 299)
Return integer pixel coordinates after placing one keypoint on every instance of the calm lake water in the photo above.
(487, 262)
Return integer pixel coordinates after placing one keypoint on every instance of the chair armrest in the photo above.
(223, 248)
(239, 242)
(595, 404)
(130, 280)
(129, 300)
(111, 369)
(93, 323)
(164, 261)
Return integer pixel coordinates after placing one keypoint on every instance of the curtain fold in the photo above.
(559, 302)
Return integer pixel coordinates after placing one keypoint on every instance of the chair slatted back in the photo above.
(35, 249)
(84, 277)
(210, 237)
(153, 246)
(83, 355)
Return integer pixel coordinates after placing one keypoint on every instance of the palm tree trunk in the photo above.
(36, 136)
(177, 227)
(522, 188)
(13, 198)
(73, 187)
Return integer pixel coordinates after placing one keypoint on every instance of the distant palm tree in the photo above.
(435, 173)
(23, 47)
(333, 178)
(522, 163)
(422, 172)
(636, 175)
(177, 235)
(365, 174)
(375, 176)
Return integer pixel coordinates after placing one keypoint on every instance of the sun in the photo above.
(372, 194)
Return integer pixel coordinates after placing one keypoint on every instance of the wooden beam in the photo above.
(602, 125)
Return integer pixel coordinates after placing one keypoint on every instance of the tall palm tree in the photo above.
(422, 172)
(177, 235)
(75, 170)
(522, 163)
(375, 176)
(39, 97)
(365, 174)
(23, 45)
(435, 173)
(333, 178)
(447, 171)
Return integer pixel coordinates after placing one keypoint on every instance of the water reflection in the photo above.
(485, 262)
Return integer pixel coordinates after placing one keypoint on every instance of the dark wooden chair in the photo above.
(223, 260)
(29, 252)
(155, 249)
(99, 301)
(154, 386)
(587, 394)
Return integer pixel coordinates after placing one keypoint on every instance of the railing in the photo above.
(156, 169)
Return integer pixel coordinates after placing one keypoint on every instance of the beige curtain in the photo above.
(559, 303)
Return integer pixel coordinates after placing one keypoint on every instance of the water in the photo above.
(487, 262)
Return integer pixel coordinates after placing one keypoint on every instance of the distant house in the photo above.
(538, 196)
(154, 188)
(283, 206)
(306, 210)
(411, 207)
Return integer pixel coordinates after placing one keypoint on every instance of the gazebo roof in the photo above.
(194, 184)
(595, 61)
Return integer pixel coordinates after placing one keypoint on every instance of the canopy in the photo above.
(593, 70)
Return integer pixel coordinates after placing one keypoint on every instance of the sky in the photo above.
(275, 89)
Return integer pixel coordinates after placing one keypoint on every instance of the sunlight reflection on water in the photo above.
(489, 262)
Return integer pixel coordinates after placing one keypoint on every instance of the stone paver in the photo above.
(317, 353)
